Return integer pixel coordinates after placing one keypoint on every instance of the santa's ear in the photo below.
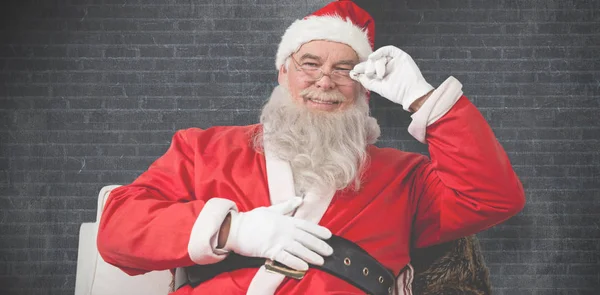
(282, 77)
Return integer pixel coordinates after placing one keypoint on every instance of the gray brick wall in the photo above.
(92, 91)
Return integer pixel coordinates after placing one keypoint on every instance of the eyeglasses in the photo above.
(313, 73)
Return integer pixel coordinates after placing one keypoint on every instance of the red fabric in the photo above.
(347, 9)
(406, 200)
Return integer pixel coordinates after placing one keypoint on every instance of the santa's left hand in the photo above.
(393, 74)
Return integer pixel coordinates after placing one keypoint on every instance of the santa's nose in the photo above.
(325, 83)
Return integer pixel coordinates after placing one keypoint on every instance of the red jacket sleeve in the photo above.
(468, 185)
(146, 225)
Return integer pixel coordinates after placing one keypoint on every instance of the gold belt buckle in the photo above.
(276, 267)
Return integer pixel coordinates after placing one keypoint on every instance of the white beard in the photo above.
(325, 150)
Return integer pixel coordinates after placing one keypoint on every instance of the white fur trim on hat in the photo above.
(331, 28)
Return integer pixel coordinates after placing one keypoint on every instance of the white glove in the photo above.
(393, 74)
(266, 232)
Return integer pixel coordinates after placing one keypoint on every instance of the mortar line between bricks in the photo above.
(286, 5)
(269, 71)
(257, 109)
(454, 34)
(273, 44)
(169, 84)
(289, 20)
(133, 156)
(251, 57)
(390, 129)
(233, 45)
(251, 71)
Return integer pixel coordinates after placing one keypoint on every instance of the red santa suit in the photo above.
(170, 216)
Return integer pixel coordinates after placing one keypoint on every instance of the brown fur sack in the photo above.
(453, 268)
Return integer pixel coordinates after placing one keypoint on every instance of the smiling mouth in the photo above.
(316, 100)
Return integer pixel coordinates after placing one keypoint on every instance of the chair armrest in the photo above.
(96, 277)
(87, 256)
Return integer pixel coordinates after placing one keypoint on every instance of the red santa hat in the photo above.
(340, 21)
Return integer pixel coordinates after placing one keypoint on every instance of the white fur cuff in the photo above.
(438, 104)
(203, 238)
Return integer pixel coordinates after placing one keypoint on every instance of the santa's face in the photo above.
(332, 92)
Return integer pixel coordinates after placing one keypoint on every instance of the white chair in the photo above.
(96, 277)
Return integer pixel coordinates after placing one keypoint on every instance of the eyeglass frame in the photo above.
(330, 74)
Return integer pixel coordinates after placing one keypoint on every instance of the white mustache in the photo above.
(335, 96)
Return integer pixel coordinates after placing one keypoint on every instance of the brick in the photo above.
(521, 28)
(553, 28)
(189, 64)
(454, 53)
(158, 103)
(486, 53)
(125, 116)
(195, 25)
(453, 16)
(123, 78)
(86, 103)
(156, 25)
(74, 90)
(519, 77)
(146, 137)
(84, 51)
(84, 25)
(157, 38)
(517, 53)
(118, 64)
(135, 90)
(262, 77)
(121, 52)
(153, 150)
(156, 51)
(33, 176)
(117, 177)
(193, 103)
(119, 25)
(231, 77)
(76, 77)
(486, 28)
(15, 103)
(198, 50)
(194, 77)
(235, 25)
(199, 117)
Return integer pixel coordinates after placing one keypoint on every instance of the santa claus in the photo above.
(304, 203)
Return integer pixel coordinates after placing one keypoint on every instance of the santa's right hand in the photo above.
(268, 233)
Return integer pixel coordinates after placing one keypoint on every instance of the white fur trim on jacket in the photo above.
(331, 28)
(404, 281)
(202, 247)
(281, 188)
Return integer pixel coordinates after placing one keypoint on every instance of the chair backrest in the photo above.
(96, 277)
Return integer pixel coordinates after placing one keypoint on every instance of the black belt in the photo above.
(348, 262)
